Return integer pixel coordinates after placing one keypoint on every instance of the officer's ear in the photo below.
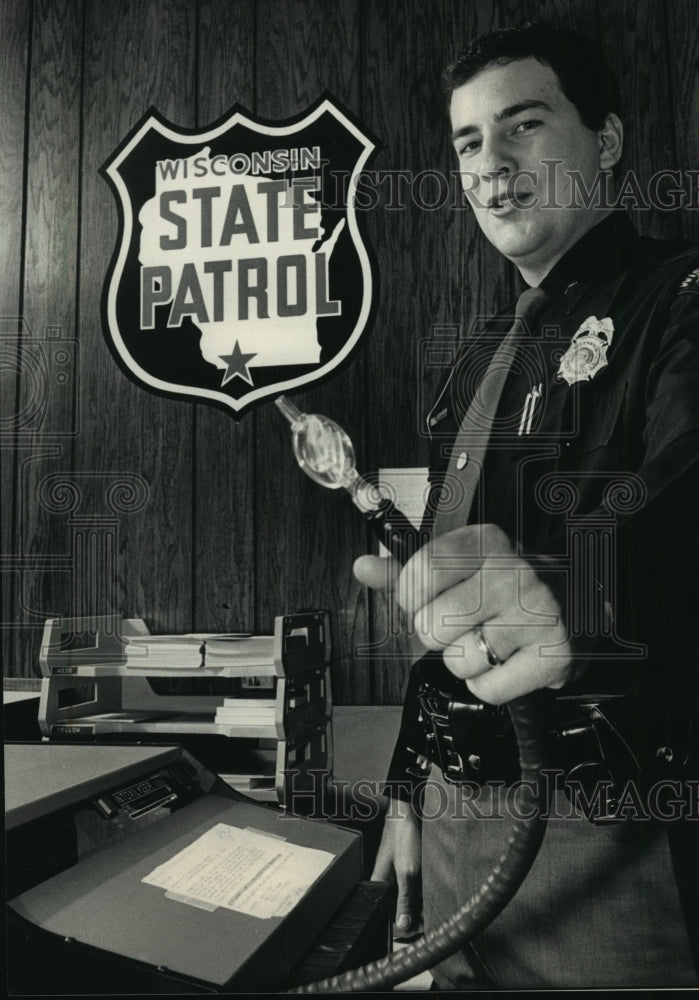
(611, 141)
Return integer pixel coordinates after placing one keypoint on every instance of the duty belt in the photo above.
(472, 742)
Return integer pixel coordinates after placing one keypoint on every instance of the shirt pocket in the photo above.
(598, 425)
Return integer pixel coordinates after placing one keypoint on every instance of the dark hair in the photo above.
(578, 62)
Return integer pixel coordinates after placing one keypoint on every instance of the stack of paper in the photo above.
(239, 651)
(196, 650)
(247, 711)
(185, 652)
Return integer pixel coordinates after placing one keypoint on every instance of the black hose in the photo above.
(528, 715)
(494, 894)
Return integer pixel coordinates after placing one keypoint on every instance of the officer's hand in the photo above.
(399, 860)
(469, 580)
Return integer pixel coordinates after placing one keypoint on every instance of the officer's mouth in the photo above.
(505, 204)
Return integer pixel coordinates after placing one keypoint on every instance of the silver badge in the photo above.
(588, 350)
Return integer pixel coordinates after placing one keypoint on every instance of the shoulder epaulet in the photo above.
(690, 283)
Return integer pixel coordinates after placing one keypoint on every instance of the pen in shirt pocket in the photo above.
(525, 424)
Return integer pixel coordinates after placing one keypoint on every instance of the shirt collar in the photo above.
(604, 251)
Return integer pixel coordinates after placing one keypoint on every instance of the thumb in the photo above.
(406, 904)
(383, 867)
(375, 572)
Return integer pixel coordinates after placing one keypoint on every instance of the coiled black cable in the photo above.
(494, 894)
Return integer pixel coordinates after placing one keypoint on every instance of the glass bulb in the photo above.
(322, 449)
(325, 453)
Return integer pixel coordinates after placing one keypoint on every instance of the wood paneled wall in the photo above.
(196, 521)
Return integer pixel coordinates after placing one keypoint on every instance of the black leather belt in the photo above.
(591, 742)
(473, 742)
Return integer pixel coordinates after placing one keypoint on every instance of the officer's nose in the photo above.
(496, 161)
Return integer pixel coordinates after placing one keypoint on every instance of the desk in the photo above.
(364, 737)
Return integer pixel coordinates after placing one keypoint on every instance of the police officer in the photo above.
(564, 548)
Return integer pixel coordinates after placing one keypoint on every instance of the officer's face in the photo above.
(506, 123)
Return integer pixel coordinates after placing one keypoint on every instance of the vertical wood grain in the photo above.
(634, 40)
(233, 533)
(137, 54)
(224, 483)
(682, 107)
(15, 27)
(307, 537)
(50, 276)
(404, 105)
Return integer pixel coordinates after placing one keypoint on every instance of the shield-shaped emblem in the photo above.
(240, 271)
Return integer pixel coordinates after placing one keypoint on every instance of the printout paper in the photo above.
(242, 870)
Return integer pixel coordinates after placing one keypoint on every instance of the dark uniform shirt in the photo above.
(597, 486)
(601, 477)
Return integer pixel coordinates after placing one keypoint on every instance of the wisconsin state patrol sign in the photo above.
(239, 271)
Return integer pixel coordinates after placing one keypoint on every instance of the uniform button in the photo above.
(462, 460)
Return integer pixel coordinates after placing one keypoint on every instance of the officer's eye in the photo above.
(468, 147)
(526, 126)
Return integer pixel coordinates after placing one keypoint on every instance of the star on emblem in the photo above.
(237, 365)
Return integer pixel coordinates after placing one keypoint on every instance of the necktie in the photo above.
(473, 436)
